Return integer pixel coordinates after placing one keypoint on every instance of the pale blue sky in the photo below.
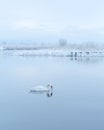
(44, 20)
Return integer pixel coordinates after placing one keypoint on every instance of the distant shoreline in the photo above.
(52, 51)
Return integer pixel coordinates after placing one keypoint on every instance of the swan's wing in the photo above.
(39, 88)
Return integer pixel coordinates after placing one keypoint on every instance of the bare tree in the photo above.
(62, 42)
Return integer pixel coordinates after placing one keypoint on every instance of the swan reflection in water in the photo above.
(43, 89)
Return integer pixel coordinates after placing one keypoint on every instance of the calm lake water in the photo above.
(77, 101)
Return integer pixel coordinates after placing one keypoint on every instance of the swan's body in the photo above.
(47, 88)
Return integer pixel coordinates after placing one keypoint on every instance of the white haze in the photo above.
(47, 21)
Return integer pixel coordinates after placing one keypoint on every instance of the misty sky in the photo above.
(31, 20)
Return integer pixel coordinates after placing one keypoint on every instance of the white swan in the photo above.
(47, 88)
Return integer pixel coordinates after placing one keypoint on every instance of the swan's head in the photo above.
(50, 86)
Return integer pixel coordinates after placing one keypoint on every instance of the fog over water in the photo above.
(60, 43)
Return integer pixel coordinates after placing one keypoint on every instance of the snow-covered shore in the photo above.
(52, 51)
(58, 52)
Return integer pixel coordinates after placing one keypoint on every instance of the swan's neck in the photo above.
(50, 87)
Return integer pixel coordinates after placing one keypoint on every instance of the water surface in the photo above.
(77, 101)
